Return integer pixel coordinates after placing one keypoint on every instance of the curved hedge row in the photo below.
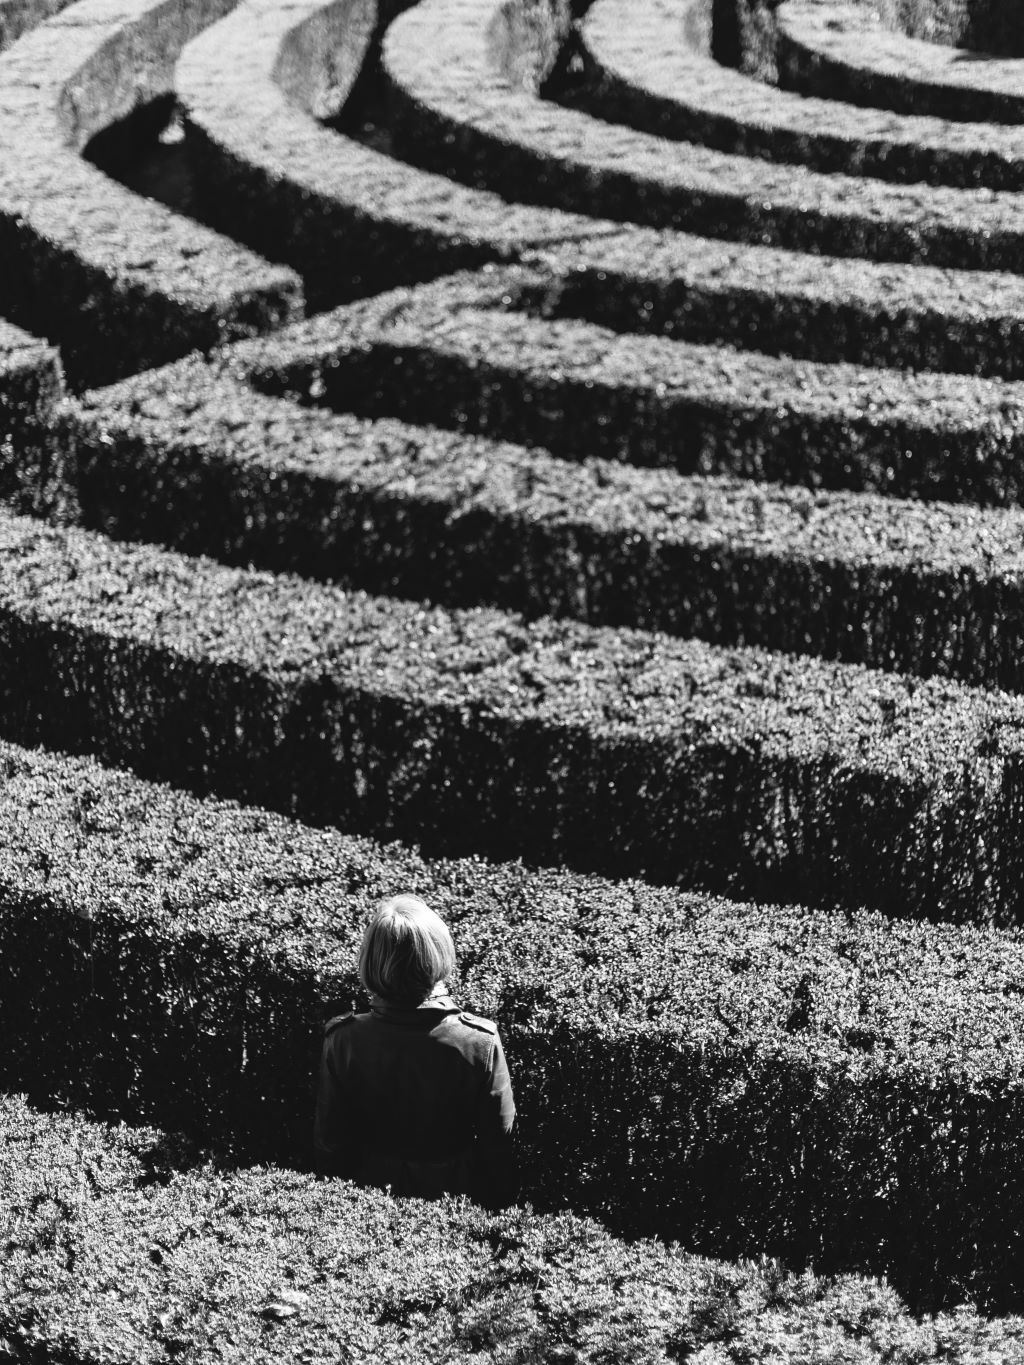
(119, 281)
(193, 458)
(551, 740)
(271, 1266)
(464, 352)
(822, 308)
(463, 80)
(18, 16)
(349, 218)
(858, 1079)
(983, 26)
(649, 68)
(842, 49)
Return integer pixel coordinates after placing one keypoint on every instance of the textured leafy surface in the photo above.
(104, 1263)
(179, 954)
(632, 435)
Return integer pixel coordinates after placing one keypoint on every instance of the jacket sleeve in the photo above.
(333, 1146)
(495, 1130)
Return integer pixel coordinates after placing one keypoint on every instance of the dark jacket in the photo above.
(418, 1098)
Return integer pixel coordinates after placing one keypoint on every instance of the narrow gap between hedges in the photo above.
(148, 154)
(742, 39)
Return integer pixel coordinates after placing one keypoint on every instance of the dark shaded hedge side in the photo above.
(34, 471)
(849, 51)
(608, 750)
(119, 281)
(18, 16)
(837, 1089)
(261, 1266)
(644, 69)
(984, 26)
(349, 217)
(823, 308)
(458, 111)
(490, 353)
(196, 460)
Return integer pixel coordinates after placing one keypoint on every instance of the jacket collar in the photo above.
(439, 1002)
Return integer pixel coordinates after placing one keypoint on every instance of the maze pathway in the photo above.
(843, 50)
(653, 69)
(637, 502)
(166, 890)
(349, 218)
(466, 105)
(78, 248)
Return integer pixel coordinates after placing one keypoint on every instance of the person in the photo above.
(415, 1093)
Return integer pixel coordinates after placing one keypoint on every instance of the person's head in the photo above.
(406, 950)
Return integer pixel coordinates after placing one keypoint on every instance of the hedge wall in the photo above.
(834, 1088)
(34, 472)
(198, 461)
(269, 174)
(461, 352)
(647, 67)
(119, 281)
(267, 1266)
(822, 308)
(984, 26)
(602, 749)
(18, 16)
(454, 112)
(30, 380)
(847, 51)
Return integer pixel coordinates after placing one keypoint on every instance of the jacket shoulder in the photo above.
(477, 1021)
(339, 1021)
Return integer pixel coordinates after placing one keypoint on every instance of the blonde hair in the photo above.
(406, 950)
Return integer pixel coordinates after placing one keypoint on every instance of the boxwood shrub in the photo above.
(463, 83)
(18, 16)
(105, 1264)
(193, 458)
(822, 308)
(270, 174)
(906, 56)
(498, 353)
(835, 1088)
(609, 750)
(35, 474)
(119, 280)
(651, 66)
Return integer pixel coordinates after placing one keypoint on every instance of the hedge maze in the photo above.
(567, 460)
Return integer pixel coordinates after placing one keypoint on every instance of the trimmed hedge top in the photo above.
(190, 407)
(650, 70)
(18, 16)
(473, 730)
(172, 957)
(455, 111)
(484, 662)
(542, 949)
(193, 458)
(31, 381)
(459, 347)
(252, 87)
(147, 283)
(268, 1266)
(844, 49)
(824, 308)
